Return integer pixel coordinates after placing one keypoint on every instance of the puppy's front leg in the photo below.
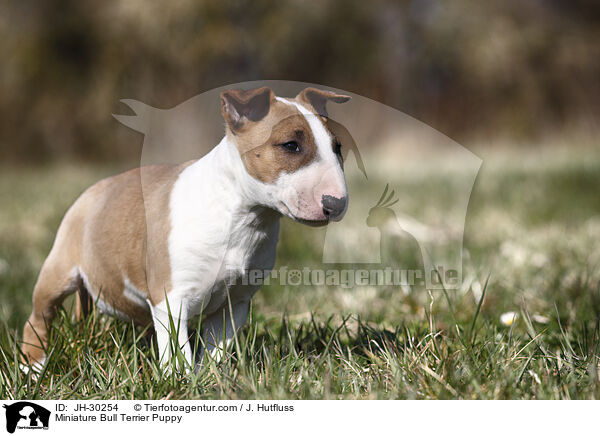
(219, 330)
(171, 335)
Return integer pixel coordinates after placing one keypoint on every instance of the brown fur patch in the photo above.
(134, 211)
(258, 124)
(117, 229)
(317, 99)
(260, 147)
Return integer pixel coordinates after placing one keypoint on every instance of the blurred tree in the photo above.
(503, 68)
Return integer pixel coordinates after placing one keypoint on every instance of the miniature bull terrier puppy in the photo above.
(162, 243)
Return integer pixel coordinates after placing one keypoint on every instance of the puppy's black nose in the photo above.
(333, 207)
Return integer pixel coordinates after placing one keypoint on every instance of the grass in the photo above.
(531, 246)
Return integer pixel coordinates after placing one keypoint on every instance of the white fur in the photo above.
(218, 232)
(304, 188)
(36, 368)
(133, 294)
(322, 137)
(225, 222)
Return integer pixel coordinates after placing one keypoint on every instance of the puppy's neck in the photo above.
(249, 199)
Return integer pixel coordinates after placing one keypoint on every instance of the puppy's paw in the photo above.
(34, 368)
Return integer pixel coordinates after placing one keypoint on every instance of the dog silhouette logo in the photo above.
(431, 175)
(26, 415)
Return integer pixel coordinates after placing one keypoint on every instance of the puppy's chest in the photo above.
(253, 254)
(248, 251)
(208, 264)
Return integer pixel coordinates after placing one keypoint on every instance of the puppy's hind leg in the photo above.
(83, 301)
(54, 284)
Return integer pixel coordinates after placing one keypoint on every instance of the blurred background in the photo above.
(479, 72)
(513, 81)
(516, 82)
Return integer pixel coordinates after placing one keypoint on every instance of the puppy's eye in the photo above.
(337, 147)
(291, 146)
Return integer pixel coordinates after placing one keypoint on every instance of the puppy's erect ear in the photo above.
(318, 99)
(239, 106)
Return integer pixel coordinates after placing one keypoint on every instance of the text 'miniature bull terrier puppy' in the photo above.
(176, 242)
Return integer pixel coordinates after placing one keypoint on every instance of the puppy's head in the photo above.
(293, 159)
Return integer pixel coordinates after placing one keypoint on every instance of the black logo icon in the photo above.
(26, 415)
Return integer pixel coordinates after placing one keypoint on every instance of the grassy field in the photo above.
(532, 246)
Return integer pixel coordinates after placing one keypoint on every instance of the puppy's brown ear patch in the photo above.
(239, 106)
(318, 99)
